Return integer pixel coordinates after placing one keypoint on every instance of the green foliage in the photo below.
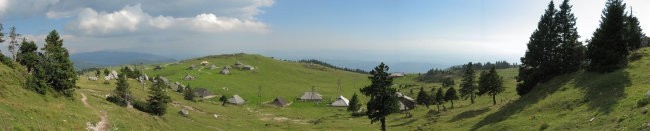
(608, 49)
(158, 98)
(423, 98)
(448, 82)
(642, 102)
(27, 55)
(468, 86)
(122, 94)
(6, 61)
(131, 72)
(141, 106)
(354, 105)
(98, 73)
(571, 51)
(188, 93)
(490, 83)
(106, 72)
(633, 32)
(223, 100)
(451, 95)
(439, 98)
(314, 61)
(383, 99)
(60, 70)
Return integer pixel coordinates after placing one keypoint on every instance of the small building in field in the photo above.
(204, 63)
(236, 99)
(248, 67)
(188, 77)
(397, 74)
(341, 102)
(405, 102)
(280, 102)
(310, 96)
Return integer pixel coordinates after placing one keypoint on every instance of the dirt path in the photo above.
(102, 125)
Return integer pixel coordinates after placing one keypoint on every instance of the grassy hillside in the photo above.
(577, 101)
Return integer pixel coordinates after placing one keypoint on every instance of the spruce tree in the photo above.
(60, 70)
(122, 92)
(608, 49)
(440, 98)
(451, 95)
(571, 52)
(433, 99)
(423, 98)
(540, 61)
(491, 83)
(383, 99)
(158, 98)
(188, 93)
(634, 32)
(468, 86)
(106, 72)
(354, 103)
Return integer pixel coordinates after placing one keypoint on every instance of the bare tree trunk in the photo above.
(383, 123)
(494, 99)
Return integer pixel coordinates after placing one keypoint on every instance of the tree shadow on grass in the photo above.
(405, 123)
(603, 91)
(538, 93)
(469, 114)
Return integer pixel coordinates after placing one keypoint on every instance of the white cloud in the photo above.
(3, 6)
(134, 19)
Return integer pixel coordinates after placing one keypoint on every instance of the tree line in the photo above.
(49, 69)
(554, 49)
(314, 61)
(441, 75)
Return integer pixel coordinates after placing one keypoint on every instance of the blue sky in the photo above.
(426, 33)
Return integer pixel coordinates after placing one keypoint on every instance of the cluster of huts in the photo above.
(226, 69)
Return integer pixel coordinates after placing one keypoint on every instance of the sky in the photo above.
(420, 33)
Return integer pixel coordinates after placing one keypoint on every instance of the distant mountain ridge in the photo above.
(115, 58)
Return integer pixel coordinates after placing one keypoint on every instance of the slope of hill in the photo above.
(114, 58)
(577, 101)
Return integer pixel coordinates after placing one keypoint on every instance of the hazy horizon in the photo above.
(431, 34)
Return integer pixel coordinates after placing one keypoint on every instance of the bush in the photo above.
(643, 102)
(6, 61)
(116, 100)
(637, 55)
(141, 106)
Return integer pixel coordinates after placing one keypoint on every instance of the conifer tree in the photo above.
(608, 49)
(451, 95)
(188, 93)
(122, 92)
(634, 32)
(440, 99)
(571, 51)
(27, 55)
(423, 98)
(468, 86)
(383, 99)
(158, 98)
(491, 83)
(354, 103)
(540, 61)
(60, 70)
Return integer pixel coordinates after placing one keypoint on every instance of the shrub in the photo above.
(6, 61)
(116, 100)
(141, 106)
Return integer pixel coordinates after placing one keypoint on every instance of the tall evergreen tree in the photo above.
(468, 86)
(158, 98)
(383, 98)
(540, 62)
(37, 81)
(571, 52)
(60, 70)
(608, 49)
(27, 55)
(423, 98)
(122, 92)
(451, 95)
(188, 93)
(634, 32)
(354, 103)
(440, 99)
(491, 83)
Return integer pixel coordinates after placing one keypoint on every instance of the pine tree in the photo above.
(448, 82)
(188, 93)
(98, 73)
(383, 98)
(27, 55)
(433, 98)
(451, 95)
(36, 82)
(122, 92)
(158, 98)
(634, 32)
(608, 49)
(540, 62)
(571, 52)
(106, 72)
(354, 103)
(440, 98)
(423, 98)
(491, 83)
(467, 86)
(60, 70)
